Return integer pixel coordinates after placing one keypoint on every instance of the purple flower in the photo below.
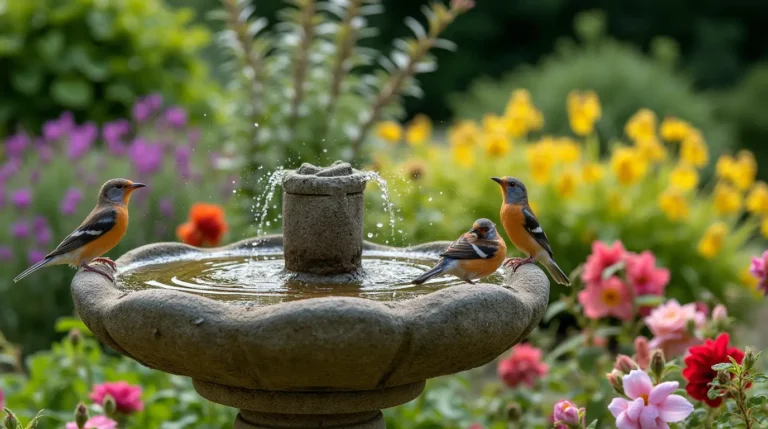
(114, 133)
(176, 117)
(34, 176)
(58, 128)
(166, 208)
(154, 101)
(22, 199)
(34, 256)
(44, 152)
(141, 111)
(6, 254)
(81, 139)
(43, 232)
(16, 144)
(193, 136)
(8, 169)
(183, 160)
(20, 230)
(147, 158)
(71, 200)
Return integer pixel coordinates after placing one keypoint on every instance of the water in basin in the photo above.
(260, 279)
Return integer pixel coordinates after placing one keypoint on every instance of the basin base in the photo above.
(254, 420)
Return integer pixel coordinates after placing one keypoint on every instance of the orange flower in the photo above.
(206, 225)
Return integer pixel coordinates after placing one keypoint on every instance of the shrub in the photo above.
(49, 184)
(623, 77)
(645, 192)
(95, 57)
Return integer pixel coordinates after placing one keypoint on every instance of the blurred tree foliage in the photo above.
(95, 57)
(625, 79)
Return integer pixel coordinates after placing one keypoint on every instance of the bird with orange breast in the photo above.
(524, 230)
(97, 235)
(476, 254)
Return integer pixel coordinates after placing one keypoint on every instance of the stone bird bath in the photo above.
(321, 362)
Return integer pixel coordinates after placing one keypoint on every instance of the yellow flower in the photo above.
(694, 150)
(616, 203)
(641, 126)
(567, 150)
(746, 170)
(493, 123)
(725, 167)
(675, 130)
(764, 228)
(389, 131)
(627, 165)
(496, 144)
(712, 242)
(757, 200)
(464, 155)
(684, 177)
(651, 149)
(520, 115)
(541, 160)
(674, 205)
(727, 199)
(419, 130)
(566, 184)
(583, 111)
(465, 133)
(591, 172)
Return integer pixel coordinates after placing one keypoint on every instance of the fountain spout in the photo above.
(323, 219)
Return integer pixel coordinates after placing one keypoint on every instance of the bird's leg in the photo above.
(87, 267)
(107, 261)
(515, 263)
(469, 281)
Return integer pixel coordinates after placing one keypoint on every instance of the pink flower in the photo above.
(759, 269)
(669, 325)
(523, 365)
(642, 352)
(644, 276)
(566, 415)
(650, 407)
(2, 399)
(96, 422)
(127, 397)
(719, 312)
(601, 258)
(610, 297)
(475, 426)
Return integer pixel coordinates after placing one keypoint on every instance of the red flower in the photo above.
(206, 225)
(523, 365)
(698, 366)
(127, 397)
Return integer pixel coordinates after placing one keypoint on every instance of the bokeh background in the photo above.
(205, 99)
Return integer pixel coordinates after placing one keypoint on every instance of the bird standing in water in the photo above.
(476, 254)
(524, 231)
(97, 235)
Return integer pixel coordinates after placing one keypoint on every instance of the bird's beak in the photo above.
(498, 180)
(137, 186)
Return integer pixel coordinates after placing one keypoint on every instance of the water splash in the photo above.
(263, 202)
(389, 206)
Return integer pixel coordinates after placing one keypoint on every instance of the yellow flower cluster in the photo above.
(583, 111)
(713, 240)
(417, 132)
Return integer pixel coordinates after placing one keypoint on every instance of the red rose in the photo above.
(698, 366)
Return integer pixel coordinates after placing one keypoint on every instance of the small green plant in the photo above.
(731, 383)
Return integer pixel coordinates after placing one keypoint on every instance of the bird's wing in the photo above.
(533, 228)
(468, 246)
(95, 225)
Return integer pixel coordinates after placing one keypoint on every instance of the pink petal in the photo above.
(617, 406)
(660, 392)
(623, 422)
(675, 409)
(648, 417)
(635, 408)
(637, 383)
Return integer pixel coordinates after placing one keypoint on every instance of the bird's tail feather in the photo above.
(435, 271)
(32, 269)
(557, 274)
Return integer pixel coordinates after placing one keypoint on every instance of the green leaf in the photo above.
(592, 425)
(118, 91)
(760, 378)
(649, 300)
(72, 92)
(722, 367)
(66, 324)
(10, 45)
(757, 401)
(102, 24)
(725, 417)
(27, 81)
(613, 269)
(554, 309)
(51, 46)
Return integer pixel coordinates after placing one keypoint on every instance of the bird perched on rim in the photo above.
(476, 254)
(524, 230)
(97, 235)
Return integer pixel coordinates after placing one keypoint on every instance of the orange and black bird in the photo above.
(97, 235)
(524, 230)
(476, 254)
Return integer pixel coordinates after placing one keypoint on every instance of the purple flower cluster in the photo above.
(22, 199)
(71, 200)
(146, 107)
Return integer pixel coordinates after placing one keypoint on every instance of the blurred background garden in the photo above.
(642, 122)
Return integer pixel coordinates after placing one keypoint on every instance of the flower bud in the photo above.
(11, 422)
(642, 352)
(624, 364)
(749, 358)
(109, 405)
(658, 363)
(719, 313)
(723, 377)
(615, 380)
(514, 412)
(81, 415)
(75, 337)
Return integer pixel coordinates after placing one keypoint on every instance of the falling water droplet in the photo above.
(256, 124)
(429, 199)
(379, 225)
(370, 235)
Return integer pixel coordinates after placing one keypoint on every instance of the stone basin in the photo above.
(330, 362)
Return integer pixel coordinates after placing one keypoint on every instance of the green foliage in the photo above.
(95, 57)
(741, 409)
(624, 78)
(59, 378)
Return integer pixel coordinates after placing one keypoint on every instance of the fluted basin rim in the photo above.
(332, 343)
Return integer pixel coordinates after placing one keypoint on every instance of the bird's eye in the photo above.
(512, 185)
(119, 186)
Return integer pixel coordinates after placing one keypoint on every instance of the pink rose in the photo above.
(566, 415)
(610, 297)
(601, 258)
(669, 324)
(644, 276)
(523, 366)
(127, 397)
